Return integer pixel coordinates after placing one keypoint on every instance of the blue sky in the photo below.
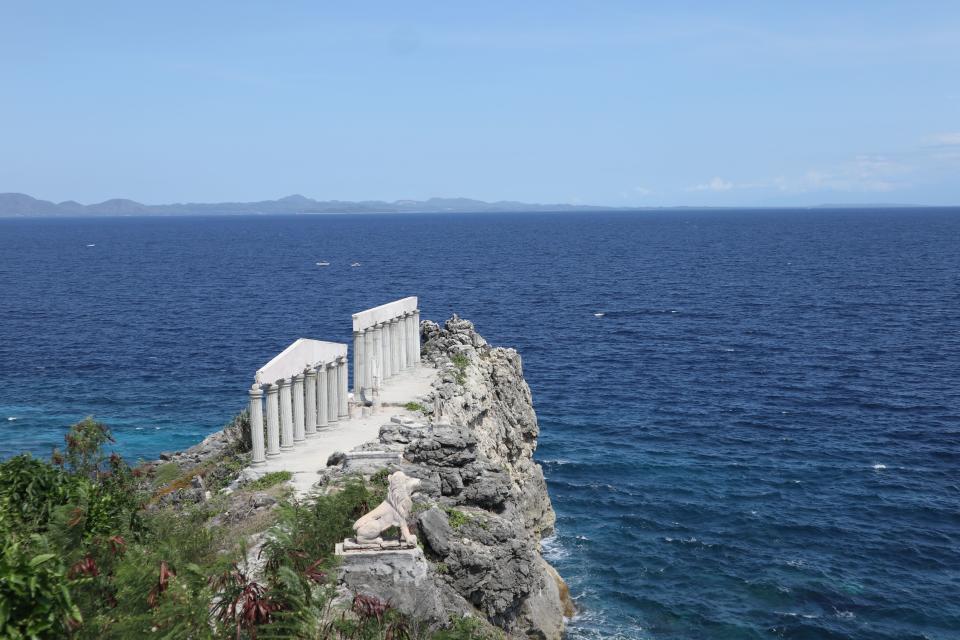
(618, 103)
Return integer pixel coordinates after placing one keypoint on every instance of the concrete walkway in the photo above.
(307, 458)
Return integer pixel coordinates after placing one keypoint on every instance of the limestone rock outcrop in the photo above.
(482, 505)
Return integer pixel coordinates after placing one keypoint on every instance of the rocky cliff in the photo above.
(482, 507)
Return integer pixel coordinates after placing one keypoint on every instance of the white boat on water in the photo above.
(323, 263)
(355, 264)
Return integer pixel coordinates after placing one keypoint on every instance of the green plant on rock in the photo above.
(413, 406)
(165, 473)
(307, 531)
(456, 517)
(462, 628)
(460, 362)
(269, 480)
(381, 478)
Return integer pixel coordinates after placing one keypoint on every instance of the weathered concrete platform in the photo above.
(309, 457)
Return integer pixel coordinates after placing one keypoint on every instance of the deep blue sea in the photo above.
(759, 439)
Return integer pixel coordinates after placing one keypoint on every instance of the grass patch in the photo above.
(457, 518)
(269, 480)
(460, 363)
(166, 473)
(413, 406)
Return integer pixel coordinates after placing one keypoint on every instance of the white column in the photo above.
(310, 402)
(385, 372)
(256, 425)
(273, 421)
(343, 391)
(299, 435)
(413, 336)
(402, 326)
(377, 373)
(416, 342)
(286, 418)
(368, 358)
(395, 346)
(323, 398)
(333, 402)
(358, 364)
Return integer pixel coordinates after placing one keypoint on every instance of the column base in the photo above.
(258, 463)
(300, 441)
(286, 447)
(273, 455)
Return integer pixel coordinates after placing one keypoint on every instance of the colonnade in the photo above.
(386, 342)
(305, 387)
(308, 392)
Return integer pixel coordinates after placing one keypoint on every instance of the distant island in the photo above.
(22, 205)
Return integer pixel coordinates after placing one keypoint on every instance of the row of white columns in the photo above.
(384, 350)
(296, 407)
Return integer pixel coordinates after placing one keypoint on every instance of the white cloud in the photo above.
(716, 184)
(949, 138)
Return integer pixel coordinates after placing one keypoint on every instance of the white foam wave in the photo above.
(879, 467)
(553, 550)
(12, 418)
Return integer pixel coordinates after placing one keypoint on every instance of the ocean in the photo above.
(750, 420)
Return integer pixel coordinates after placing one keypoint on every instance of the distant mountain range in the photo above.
(22, 205)
(14, 205)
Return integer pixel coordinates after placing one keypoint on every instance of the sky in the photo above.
(596, 102)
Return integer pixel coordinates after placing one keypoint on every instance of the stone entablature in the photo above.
(302, 353)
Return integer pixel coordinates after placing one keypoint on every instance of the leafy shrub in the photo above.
(413, 406)
(34, 599)
(30, 490)
(306, 532)
(85, 442)
(269, 480)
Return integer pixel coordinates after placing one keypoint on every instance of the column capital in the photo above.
(256, 390)
(298, 376)
(332, 365)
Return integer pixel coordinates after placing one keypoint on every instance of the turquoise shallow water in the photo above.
(759, 438)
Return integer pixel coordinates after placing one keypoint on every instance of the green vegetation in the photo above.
(166, 473)
(457, 518)
(460, 363)
(381, 478)
(269, 480)
(92, 549)
(413, 406)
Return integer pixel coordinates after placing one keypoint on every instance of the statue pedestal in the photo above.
(392, 571)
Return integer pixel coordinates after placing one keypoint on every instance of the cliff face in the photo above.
(483, 506)
(483, 389)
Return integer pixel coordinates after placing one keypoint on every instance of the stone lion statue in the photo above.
(392, 512)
